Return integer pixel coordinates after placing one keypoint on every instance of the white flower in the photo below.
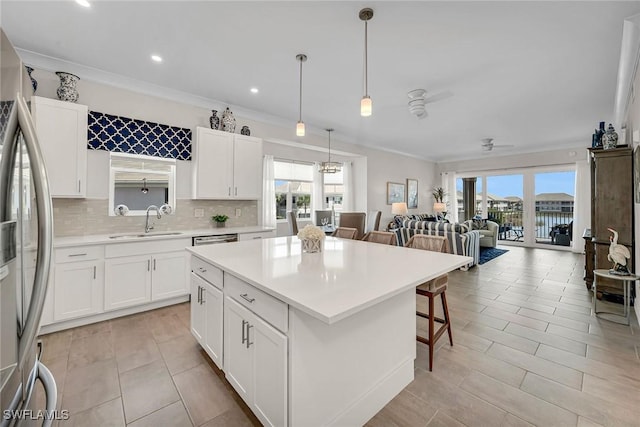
(311, 232)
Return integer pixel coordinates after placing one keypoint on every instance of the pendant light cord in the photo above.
(366, 60)
(329, 147)
(300, 117)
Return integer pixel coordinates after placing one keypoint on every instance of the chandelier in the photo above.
(329, 166)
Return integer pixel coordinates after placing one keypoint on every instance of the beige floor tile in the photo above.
(516, 318)
(90, 385)
(606, 343)
(547, 338)
(182, 353)
(522, 301)
(204, 394)
(586, 422)
(618, 374)
(619, 394)
(147, 389)
(511, 420)
(557, 320)
(456, 403)
(56, 345)
(510, 340)
(517, 402)
(94, 328)
(173, 415)
(404, 410)
(235, 417)
(441, 419)
(492, 303)
(168, 328)
(108, 414)
(549, 369)
(444, 368)
(136, 353)
(479, 318)
(601, 355)
(580, 403)
(90, 349)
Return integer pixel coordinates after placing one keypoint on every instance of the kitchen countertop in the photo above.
(100, 239)
(346, 277)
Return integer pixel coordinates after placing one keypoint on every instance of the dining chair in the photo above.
(431, 289)
(354, 220)
(345, 233)
(293, 223)
(373, 221)
(384, 237)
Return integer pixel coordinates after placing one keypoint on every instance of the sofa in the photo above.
(488, 231)
(462, 241)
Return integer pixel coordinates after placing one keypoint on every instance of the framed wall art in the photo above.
(395, 192)
(412, 193)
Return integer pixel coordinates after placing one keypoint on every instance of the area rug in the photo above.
(487, 254)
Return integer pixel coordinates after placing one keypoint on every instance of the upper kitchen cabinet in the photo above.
(62, 132)
(226, 165)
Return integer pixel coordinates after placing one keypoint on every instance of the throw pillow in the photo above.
(479, 224)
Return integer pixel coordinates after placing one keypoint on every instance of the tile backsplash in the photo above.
(78, 217)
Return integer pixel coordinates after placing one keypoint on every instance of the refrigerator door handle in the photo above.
(50, 390)
(45, 231)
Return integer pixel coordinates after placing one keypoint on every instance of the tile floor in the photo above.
(526, 352)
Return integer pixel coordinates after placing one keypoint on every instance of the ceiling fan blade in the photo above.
(438, 97)
(503, 145)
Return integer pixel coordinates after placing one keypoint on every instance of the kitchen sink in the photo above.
(136, 236)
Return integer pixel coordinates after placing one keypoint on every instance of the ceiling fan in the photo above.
(488, 145)
(418, 100)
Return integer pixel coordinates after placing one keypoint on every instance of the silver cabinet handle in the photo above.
(199, 295)
(236, 191)
(248, 327)
(229, 190)
(246, 298)
(202, 300)
(202, 270)
(94, 271)
(244, 339)
(148, 265)
(78, 186)
(72, 255)
(154, 264)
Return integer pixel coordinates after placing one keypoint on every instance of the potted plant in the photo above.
(439, 206)
(220, 220)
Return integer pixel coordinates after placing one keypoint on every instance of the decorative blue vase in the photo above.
(34, 83)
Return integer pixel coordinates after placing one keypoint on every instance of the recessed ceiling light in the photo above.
(156, 58)
(83, 3)
(254, 90)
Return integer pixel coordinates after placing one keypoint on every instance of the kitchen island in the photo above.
(312, 339)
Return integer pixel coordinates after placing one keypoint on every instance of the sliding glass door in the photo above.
(554, 205)
(504, 199)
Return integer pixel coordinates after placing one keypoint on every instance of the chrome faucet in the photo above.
(148, 227)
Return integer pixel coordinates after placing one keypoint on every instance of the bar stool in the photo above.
(432, 289)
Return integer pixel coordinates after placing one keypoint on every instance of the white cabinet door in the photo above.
(270, 373)
(197, 308)
(212, 164)
(238, 363)
(168, 275)
(77, 290)
(128, 281)
(247, 167)
(213, 302)
(62, 133)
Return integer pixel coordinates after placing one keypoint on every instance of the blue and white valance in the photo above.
(125, 135)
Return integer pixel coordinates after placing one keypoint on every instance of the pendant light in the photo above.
(300, 126)
(365, 104)
(329, 166)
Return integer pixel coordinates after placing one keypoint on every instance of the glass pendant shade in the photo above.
(300, 129)
(329, 166)
(365, 106)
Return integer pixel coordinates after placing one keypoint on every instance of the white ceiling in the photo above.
(537, 75)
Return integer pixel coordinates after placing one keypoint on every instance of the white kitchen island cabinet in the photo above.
(325, 338)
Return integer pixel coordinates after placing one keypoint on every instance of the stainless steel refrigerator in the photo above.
(25, 250)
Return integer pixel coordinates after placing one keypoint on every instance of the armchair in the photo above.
(488, 231)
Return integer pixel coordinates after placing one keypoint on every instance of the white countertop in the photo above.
(346, 277)
(100, 239)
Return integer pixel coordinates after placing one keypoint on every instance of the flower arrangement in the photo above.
(311, 237)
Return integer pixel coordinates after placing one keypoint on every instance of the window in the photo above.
(293, 189)
(333, 191)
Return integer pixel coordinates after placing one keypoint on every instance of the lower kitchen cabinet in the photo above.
(255, 362)
(139, 279)
(206, 317)
(128, 281)
(78, 289)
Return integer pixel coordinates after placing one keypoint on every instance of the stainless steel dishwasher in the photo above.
(215, 239)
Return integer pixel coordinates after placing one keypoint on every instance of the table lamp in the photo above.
(439, 207)
(399, 208)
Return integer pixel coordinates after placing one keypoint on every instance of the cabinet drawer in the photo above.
(207, 271)
(269, 308)
(79, 253)
(148, 247)
(257, 235)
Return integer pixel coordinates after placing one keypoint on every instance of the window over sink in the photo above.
(138, 182)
